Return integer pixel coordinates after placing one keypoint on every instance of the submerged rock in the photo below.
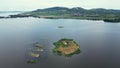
(32, 61)
(39, 49)
(38, 45)
(34, 55)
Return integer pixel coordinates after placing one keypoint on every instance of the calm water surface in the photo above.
(99, 42)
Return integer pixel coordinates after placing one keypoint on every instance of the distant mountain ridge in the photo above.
(80, 10)
(76, 8)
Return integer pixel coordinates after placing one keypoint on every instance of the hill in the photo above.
(76, 13)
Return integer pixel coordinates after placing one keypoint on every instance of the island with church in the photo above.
(66, 47)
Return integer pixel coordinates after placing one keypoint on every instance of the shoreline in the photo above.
(62, 17)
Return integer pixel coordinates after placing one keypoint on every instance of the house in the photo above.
(64, 42)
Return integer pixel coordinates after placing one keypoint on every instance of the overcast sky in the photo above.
(28, 5)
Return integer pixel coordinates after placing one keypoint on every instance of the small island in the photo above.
(66, 47)
(60, 26)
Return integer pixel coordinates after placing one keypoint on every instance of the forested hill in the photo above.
(77, 11)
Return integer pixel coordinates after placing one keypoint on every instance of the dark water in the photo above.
(99, 42)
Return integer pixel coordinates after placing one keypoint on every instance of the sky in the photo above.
(29, 5)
